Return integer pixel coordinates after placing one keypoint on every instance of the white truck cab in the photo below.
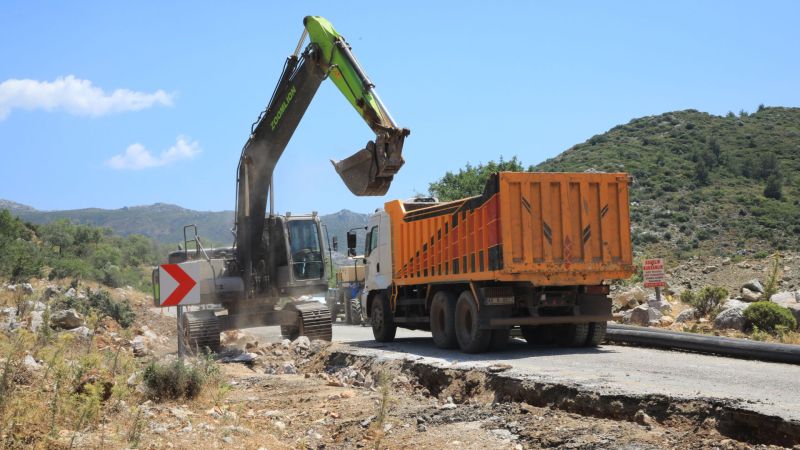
(377, 255)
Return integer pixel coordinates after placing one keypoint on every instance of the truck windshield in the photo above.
(306, 251)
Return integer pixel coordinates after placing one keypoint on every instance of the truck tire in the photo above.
(355, 311)
(471, 339)
(597, 334)
(383, 326)
(500, 338)
(443, 320)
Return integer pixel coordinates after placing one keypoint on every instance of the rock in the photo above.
(448, 406)
(733, 303)
(784, 298)
(643, 418)
(666, 321)
(749, 295)
(286, 343)
(709, 269)
(279, 425)
(36, 320)
(11, 288)
(245, 358)
(365, 423)
(71, 293)
(66, 319)
(754, 285)
(8, 319)
(27, 288)
(31, 363)
(289, 368)
(82, 331)
(726, 261)
(138, 346)
(49, 291)
(302, 342)
(662, 306)
(132, 380)
(251, 346)
(731, 318)
(795, 309)
(744, 265)
(686, 315)
(642, 315)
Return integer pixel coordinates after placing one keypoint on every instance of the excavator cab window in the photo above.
(306, 251)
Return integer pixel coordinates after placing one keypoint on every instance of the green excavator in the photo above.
(280, 257)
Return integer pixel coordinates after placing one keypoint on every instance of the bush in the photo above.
(707, 300)
(768, 316)
(176, 379)
(101, 301)
(774, 187)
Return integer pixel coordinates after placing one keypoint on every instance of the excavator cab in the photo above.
(293, 246)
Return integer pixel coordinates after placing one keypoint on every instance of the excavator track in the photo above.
(315, 322)
(201, 331)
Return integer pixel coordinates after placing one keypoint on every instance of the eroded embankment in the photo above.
(462, 384)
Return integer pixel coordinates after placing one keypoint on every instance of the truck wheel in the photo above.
(500, 338)
(383, 326)
(597, 334)
(443, 320)
(572, 335)
(355, 311)
(471, 339)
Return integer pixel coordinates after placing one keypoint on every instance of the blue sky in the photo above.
(178, 84)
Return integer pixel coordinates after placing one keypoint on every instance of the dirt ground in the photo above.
(340, 407)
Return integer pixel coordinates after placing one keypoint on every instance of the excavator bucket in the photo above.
(370, 170)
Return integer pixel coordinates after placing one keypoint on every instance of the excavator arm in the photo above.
(368, 172)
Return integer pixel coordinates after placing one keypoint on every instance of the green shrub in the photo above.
(177, 379)
(101, 301)
(707, 300)
(768, 316)
(173, 380)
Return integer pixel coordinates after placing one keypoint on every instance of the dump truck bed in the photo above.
(552, 229)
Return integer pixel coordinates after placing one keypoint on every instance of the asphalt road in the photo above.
(768, 388)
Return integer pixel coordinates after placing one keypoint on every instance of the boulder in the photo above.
(49, 291)
(661, 305)
(8, 319)
(66, 319)
(82, 332)
(733, 303)
(138, 346)
(795, 309)
(666, 321)
(754, 285)
(27, 288)
(302, 343)
(709, 269)
(70, 293)
(784, 298)
(749, 295)
(687, 315)
(731, 318)
(642, 315)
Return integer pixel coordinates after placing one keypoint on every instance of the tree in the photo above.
(470, 180)
(701, 172)
(774, 187)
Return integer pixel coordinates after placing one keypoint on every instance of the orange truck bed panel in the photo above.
(555, 229)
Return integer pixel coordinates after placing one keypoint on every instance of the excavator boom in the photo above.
(368, 172)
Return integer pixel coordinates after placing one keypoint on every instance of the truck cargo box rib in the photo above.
(555, 229)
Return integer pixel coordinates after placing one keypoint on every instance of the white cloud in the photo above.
(75, 96)
(137, 157)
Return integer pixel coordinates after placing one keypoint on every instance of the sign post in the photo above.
(178, 287)
(653, 274)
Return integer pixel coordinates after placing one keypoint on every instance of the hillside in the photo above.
(700, 180)
(164, 223)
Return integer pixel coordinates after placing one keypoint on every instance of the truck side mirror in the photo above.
(335, 244)
(351, 243)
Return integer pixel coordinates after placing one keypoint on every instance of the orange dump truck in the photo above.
(534, 251)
